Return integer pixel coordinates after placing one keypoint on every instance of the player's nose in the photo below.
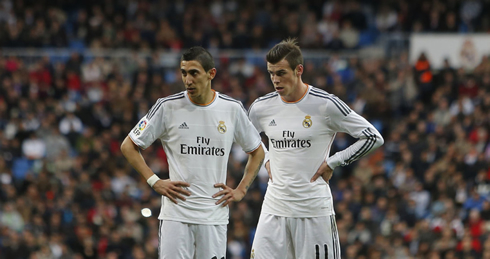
(275, 80)
(187, 80)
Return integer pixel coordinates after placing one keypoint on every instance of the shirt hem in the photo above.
(190, 221)
(299, 215)
(134, 141)
(257, 147)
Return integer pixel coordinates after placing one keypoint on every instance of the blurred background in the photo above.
(76, 76)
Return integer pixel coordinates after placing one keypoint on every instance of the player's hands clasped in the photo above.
(172, 189)
(229, 194)
(324, 171)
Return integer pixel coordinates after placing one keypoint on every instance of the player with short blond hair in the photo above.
(298, 218)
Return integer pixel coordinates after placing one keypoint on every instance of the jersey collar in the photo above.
(203, 105)
(302, 97)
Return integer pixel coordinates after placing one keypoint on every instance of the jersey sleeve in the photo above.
(245, 134)
(343, 119)
(150, 127)
(253, 118)
(252, 115)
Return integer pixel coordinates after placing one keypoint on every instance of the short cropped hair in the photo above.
(286, 49)
(200, 55)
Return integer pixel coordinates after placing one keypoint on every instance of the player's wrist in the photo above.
(152, 180)
(329, 164)
(242, 190)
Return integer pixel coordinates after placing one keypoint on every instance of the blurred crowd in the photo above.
(67, 192)
(158, 24)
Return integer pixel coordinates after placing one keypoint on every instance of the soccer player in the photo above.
(297, 218)
(197, 128)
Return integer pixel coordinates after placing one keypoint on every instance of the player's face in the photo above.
(283, 77)
(196, 81)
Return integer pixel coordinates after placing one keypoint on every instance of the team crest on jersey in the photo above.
(142, 125)
(252, 255)
(222, 127)
(307, 122)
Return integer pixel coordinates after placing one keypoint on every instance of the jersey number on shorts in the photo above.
(317, 251)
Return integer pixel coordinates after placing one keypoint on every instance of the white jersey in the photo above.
(300, 136)
(197, 140)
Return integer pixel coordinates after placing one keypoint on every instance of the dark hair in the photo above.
(286, 49)
(200, 55)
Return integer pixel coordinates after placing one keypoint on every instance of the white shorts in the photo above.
(180, 240)
(285, 237)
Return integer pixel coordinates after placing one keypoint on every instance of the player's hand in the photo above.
(172, 189)
(228, 194)
(324, 171)
(268, 168)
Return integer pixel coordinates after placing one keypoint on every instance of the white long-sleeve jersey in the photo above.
(300, 136)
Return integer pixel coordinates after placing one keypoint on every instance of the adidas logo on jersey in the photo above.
(273, 123)
(183, 126)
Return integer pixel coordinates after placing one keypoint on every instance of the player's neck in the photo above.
(297, 94)
(205, 98)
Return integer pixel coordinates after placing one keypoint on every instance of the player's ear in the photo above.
(299, 70)
(212, 73)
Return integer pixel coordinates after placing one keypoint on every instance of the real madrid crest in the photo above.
(307, 122)
(221, 127)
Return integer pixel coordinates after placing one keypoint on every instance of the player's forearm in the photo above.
(255, 160)
(134, 157)
(370, 141)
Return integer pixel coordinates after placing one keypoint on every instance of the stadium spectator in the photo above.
(70, 185)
